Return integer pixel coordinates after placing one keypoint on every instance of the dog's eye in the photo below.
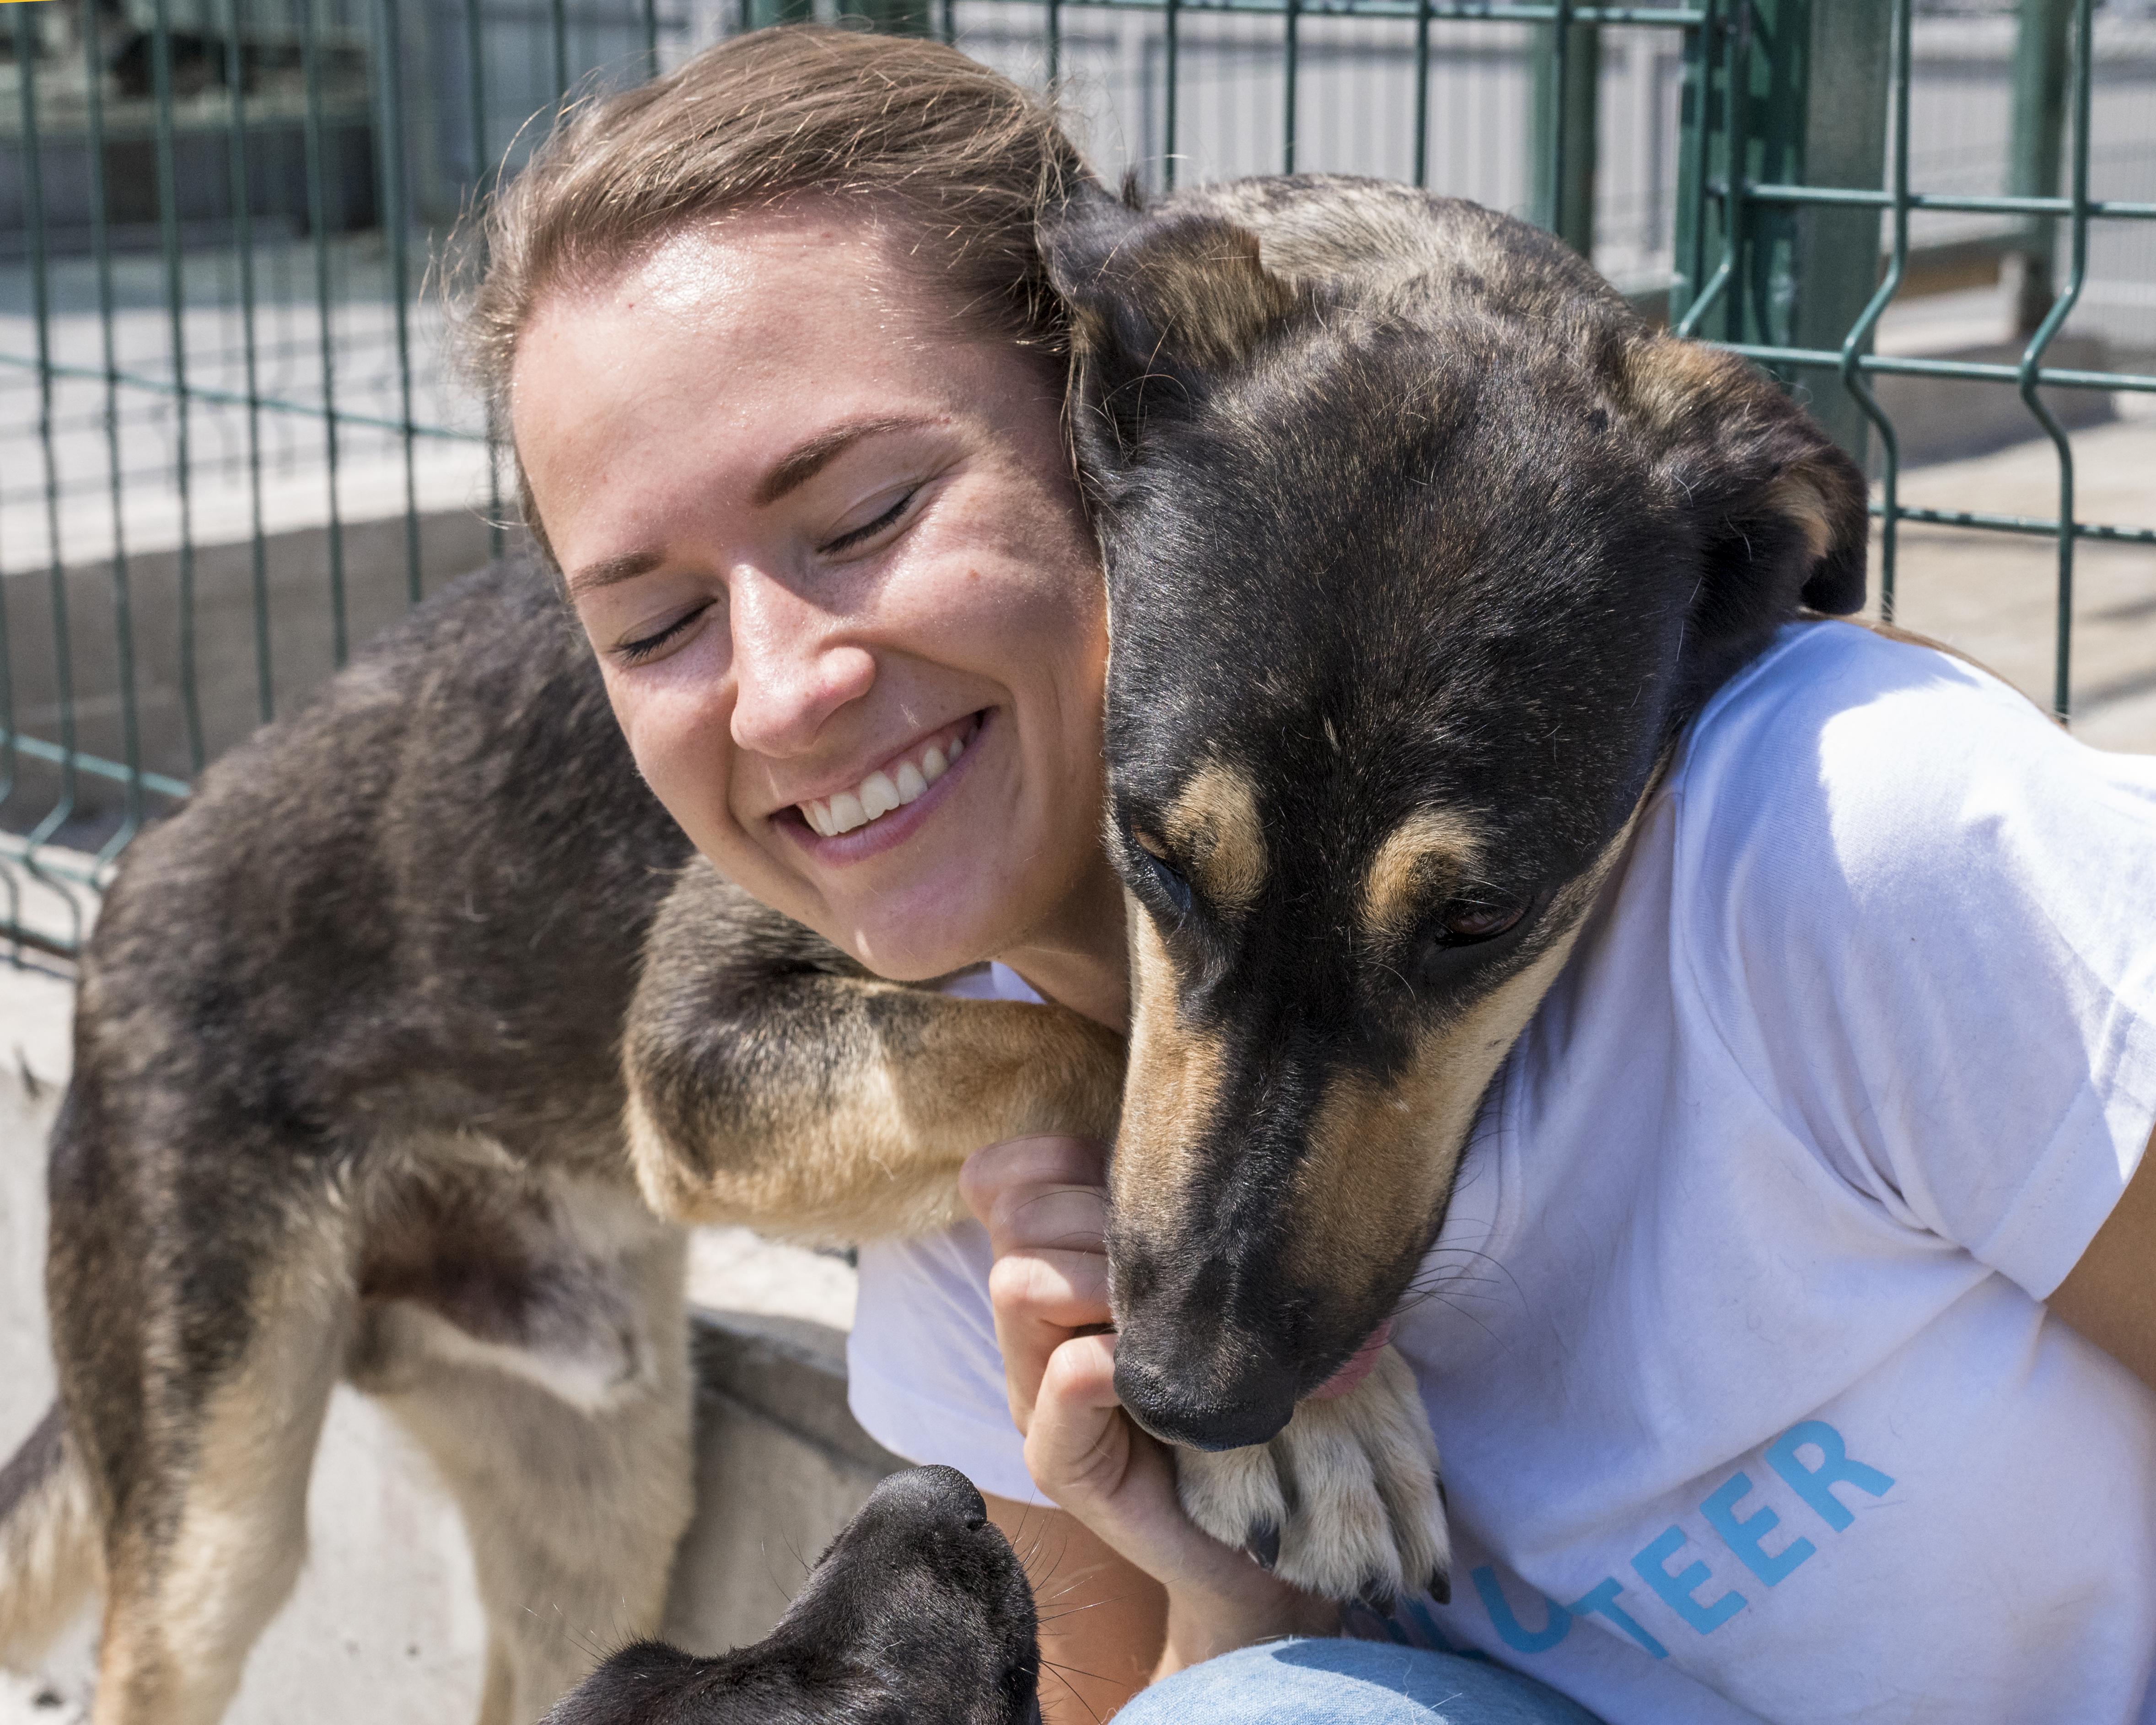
(1467, 922)
(1169, 879)
(1172, 884)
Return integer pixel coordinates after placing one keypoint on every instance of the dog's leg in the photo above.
(204, 1480)
(774, 1081)
(1344, 1502)
(574, 1492)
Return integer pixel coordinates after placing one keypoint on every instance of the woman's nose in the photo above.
(793, 667)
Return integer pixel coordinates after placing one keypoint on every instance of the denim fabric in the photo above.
(1346, 1682)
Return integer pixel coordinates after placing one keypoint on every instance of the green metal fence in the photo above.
(230, 448)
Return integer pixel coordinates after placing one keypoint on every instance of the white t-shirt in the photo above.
(1747, 1405)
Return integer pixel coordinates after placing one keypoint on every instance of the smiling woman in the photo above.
(841, 586)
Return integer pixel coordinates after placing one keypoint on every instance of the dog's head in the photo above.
(1413, 583)
(918, 1610)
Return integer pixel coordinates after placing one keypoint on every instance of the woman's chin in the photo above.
(902, 955)
(930, 926)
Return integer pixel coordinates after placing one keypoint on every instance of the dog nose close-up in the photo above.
(933, 1496)
(1223, 1404)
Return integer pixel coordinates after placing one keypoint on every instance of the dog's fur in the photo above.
(918, 1611)
(1422, 549)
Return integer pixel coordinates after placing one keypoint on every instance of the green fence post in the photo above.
(1812, 97)
(762, 12)
(1567, 116)
(2040, 116)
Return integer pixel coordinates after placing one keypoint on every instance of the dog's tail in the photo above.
(51, 1559)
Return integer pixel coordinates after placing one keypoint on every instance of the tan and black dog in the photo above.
(1422, 549)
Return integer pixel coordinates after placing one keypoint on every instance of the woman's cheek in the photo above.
(680, 748)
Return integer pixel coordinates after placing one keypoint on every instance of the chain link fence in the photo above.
(232, 446)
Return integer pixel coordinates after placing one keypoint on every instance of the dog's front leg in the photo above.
(1343, 1503)
(773, 1081)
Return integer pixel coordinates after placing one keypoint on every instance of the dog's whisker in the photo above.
(1060, 1666)
(1076, 1693)
(1074, 1611)
(785, 1592)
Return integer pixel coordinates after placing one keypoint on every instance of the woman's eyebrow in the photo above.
(607, 571)
(802, 464)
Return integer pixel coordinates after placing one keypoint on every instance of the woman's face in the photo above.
(829, 553)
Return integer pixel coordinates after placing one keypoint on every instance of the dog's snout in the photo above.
(936, 1495)
(1174, 1405)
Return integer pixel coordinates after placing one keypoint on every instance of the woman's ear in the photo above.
(1782, 512)
(1157, 303)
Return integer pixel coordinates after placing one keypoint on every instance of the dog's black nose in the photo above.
(1174, 1408)
(936, 1494)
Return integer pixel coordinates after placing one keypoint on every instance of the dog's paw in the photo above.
(1343, 1503)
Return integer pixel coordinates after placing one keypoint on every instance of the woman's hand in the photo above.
(1044, 1203)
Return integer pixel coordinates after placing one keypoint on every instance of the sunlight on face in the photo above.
(830, 555)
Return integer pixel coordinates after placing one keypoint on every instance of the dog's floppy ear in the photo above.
(1157, 303)
(1782, 511)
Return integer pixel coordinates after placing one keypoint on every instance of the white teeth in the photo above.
(880, 793)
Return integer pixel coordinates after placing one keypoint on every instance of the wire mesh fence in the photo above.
(232, 445)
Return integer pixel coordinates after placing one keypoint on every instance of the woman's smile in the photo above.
(887, 806)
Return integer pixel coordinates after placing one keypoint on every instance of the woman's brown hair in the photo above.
(955, 159)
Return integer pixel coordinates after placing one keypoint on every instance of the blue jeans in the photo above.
(1348, 1683)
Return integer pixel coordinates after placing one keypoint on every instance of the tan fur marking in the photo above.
(572, 1517)
(885, 1160)
(51, 1559)
(1430, 845)
(1215, 297)
(1796, 495)
(1213, 827)
(181, 1617)
(1174, 1086)
(1672, 380)
(1381, 1157)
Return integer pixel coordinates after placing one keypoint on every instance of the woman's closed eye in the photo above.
(643, 647)
(853, 538)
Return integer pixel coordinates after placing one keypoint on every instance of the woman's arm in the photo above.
(1044, 1203)
(2110, 1295)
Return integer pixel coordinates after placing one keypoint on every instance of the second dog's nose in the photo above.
(941, 1494)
